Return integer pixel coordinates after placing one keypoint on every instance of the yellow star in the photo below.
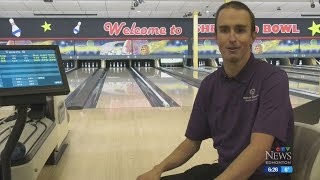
(314, 28)
(46, 26)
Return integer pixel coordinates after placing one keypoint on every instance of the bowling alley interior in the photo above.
(104, 89)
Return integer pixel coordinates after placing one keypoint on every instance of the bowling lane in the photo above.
(184, 94)
(304, 86)
(180, 92)
(76, 77)
(301, 71)
(298, 101)
(307, 77)
(189, 72)
(121, 90)
(208, 68)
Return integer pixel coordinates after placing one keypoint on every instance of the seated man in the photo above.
(244, 107)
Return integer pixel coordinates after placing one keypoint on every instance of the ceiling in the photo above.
(149, 9)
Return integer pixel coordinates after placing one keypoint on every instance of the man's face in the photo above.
(234, 36)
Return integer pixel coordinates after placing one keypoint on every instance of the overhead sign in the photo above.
(145, 28)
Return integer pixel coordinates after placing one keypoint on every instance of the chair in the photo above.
(306, 152)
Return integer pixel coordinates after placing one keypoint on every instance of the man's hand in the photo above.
(178, 157)
(150, 175)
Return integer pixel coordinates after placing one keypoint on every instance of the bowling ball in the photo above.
(313, 42)
(19, 152)
(207, 42)
(90, 43)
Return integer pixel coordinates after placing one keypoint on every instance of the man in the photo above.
(244, 106)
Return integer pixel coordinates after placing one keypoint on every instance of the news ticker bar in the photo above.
(278, 169)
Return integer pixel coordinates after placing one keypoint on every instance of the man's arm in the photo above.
(249, 159)
(177, 158)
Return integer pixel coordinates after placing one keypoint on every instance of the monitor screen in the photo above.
(31, 69)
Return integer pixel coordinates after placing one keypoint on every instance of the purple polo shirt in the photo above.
(229, 110)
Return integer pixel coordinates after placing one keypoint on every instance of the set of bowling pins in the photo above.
(138, 64)
(69, 65)
(117, 64)
(202, 63)
(277, 63)
(89, 65)
(300, 62)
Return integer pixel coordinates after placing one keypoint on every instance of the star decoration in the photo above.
(46, 26)
(314, 28)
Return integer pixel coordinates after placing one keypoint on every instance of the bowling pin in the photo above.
(16, 31)
(76, 29)
(118, 64)
(67, 65)
(138, 64)
(300, 62)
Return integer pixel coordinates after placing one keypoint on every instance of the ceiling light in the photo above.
(39, 14)
(307, 15)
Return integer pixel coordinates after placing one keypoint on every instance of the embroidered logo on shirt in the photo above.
(252, 96)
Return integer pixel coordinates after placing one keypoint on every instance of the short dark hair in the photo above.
(236, 5)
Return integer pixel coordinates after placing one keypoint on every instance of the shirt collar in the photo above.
(246, 72)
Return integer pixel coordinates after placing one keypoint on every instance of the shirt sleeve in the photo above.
(198, 127)
(275, 111)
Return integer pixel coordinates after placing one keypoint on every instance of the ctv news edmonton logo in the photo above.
(281, 156)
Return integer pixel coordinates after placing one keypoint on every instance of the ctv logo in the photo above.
(282, 149)
(281, 156)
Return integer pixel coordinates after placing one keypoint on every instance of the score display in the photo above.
(29, 68)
